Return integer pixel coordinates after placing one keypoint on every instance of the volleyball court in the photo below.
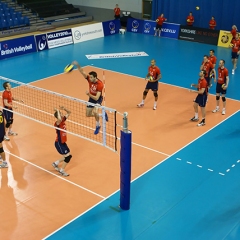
(42, 194)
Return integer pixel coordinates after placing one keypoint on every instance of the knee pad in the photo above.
(68, 158)
(1, 150)
(217, 98)
(223, 99)
(145, 93)
(155, 94)
(9, 122)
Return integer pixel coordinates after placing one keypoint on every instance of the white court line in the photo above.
(146, 173)
(64, 179)
(142, 78)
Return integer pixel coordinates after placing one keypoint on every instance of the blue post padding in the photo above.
(125, 167)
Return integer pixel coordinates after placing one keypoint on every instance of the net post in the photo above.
(125, 164)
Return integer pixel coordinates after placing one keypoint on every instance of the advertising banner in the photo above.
(59, 38)
(148, 27)
(16, 47)
(134, 25)
(202, 35)
(41, 42)
(88, 32)
(225, 38)
(111, 27)
(170, 30)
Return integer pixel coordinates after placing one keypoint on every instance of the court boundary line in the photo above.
(143, 174)
(172, 85)
(45, 170)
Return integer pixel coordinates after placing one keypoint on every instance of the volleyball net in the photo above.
(39, 106)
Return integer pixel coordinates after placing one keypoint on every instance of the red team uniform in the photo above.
(154, 72)
(201, 99)
(117, 12)
(222, 75)
(208, 66)
(61, 139)
(93, 89)
(234, 32)
(160, 22)
(235, 48)
(190, 20)
(7, 95)
(212, 24)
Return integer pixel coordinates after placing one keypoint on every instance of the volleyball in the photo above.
(223, 85)
(197, 7)
(68, 68)
(150, 78)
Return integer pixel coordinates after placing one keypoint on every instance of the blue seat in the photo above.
(19, 14)
(21, 20)
(13, 15)
(4, 24)
(26, 21)
(16, 22)
(10, 22)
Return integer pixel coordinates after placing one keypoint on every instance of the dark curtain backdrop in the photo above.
(226, 12)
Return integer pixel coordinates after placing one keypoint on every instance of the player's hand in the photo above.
(61, 107)
(215, 80)
(225, 87)
(191, 85)
(87, 93)
(75, 63)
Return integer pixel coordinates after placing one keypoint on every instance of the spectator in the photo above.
(190, 19)
(117, 12)
(212, 23)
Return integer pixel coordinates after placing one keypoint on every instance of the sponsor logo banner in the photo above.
(41, 42)
(225, 38)
(117, 55)
(201, 35)
(134, 25)
(59, 38)
(88, 32)
(148, 27)
(111, 27)
(16, 47)
(170, 30)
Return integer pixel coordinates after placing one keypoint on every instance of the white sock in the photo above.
(4, 162)
(217, 107)
(155, 103)
(97, 123)
(142, 102)
(196, 115)
(57, 162)
(61, 170)
(224, 109)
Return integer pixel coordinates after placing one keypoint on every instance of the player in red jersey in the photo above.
(235, 45)
(61, 139)
(190, 19)
(212, 23)
(201, 99)
(4, 163)
(117, 12)
(222, 85)
(159, 24)
(234, 31)
(207, 66)
(8, 109)
(153, 76)
(213, 59)
(95, 96)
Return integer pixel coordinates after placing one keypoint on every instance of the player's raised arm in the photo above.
(66, 110)
(75, 63)
(57, 115)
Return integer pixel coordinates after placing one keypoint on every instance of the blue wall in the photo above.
(226, 12)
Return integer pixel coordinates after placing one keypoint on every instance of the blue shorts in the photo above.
(234, 55)
(62, 148)
(152, 85)
(219, 89)
(158, 27)
(8, 115)
(99, 101)
(201, 99)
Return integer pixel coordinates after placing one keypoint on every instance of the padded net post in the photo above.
(125, 164)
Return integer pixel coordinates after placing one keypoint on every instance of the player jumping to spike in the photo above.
(95, 95)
